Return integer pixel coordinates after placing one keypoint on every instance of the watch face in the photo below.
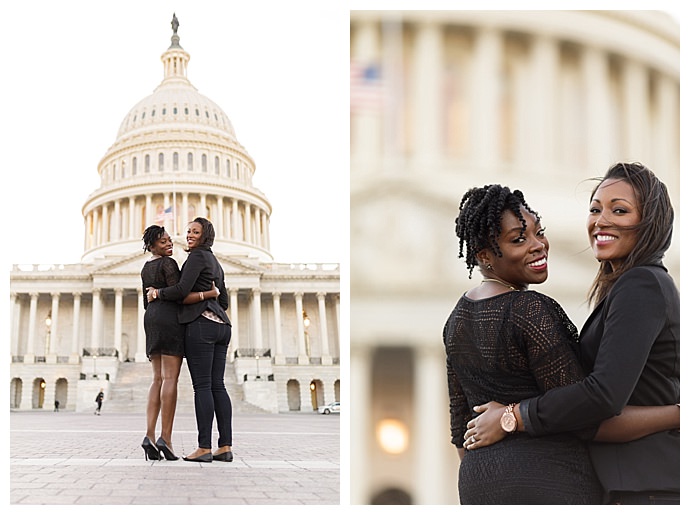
(508, 422)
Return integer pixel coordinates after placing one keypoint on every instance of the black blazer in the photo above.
(630, 349)
(197, 274)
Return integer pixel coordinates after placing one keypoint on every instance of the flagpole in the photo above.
(174, 208)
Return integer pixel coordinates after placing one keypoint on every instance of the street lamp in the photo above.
(94, 366)
(256, 356)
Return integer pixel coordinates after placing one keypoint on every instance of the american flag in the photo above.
(164, 215)
(366, 87)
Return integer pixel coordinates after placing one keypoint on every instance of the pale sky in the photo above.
(73, 70)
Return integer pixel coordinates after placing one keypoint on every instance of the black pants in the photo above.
(645, 498)
(206, 348)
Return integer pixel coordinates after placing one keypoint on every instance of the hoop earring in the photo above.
(489, 267)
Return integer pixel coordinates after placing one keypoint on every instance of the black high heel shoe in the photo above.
(167, 452)
(203, 458)
(150, 450)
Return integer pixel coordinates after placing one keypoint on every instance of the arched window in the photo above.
(203, 163)
(237, 171)
(176, 161)
(161, 161)
(190, 162)
(134, 166)
(186, 110)
(217, 165)
(147, 163)
(228, 169)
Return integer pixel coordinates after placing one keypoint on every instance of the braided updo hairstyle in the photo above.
(151, 235)
(479, 222)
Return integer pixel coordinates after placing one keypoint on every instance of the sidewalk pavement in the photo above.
(81, 458)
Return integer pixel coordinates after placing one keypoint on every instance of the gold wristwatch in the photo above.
(508, 420)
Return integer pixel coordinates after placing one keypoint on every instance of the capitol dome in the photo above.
(176, 156)
(176, 101)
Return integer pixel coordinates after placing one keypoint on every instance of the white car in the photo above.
(333, 407)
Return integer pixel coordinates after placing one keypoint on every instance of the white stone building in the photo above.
(445, 100)
(76, 328)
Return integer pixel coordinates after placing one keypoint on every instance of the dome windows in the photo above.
(161, 161)
(176, 161)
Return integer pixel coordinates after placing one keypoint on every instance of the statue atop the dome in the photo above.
(174, 24)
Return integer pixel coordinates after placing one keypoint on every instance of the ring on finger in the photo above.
(473, 439)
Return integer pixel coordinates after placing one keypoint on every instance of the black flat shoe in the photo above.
(223, 456)
(203, 458)
(167, 452)
(150, 450)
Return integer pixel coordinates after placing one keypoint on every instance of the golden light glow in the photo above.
(392, 436)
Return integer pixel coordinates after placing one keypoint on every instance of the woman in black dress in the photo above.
(630, 348)
(164, 341)
(506, 342)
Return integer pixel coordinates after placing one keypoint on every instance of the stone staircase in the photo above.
(128, 394)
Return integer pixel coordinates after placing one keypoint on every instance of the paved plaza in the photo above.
(81, 458)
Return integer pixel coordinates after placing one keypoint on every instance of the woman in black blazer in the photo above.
(207, 335)
(630, 348)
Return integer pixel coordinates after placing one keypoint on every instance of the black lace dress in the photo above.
(164, 334)
(508, 348)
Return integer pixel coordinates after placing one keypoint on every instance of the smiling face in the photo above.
(194, 233)
(613, 214)
(525, 254)
(163, 246)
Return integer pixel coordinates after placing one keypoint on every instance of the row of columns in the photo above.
(97, 325)
(241, 220)
(537, 105)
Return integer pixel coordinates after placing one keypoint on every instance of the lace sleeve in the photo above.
(460, 413)
(170, 271)
(549, 340)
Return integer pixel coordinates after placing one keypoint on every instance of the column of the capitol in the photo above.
(279, 358)
(326, 358)
(51, 356)
(76, 347)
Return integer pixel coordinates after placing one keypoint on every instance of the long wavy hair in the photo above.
(653, 232)
(478, 224)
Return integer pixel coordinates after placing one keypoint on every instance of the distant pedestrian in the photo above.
(57, 405)
(99, 402)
